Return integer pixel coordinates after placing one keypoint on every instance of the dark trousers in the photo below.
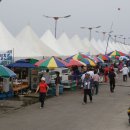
(87, 92)
(112, 85)
(129, 74)
(124, 77)
(96, 85)
(42, 98)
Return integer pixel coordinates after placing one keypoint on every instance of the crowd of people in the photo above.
(87, 78)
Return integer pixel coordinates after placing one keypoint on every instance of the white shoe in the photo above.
(83, 103)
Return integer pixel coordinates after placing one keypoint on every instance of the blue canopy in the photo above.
(21, 65)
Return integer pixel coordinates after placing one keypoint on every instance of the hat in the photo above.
(124, 65)
(43, 78)
(87, 73)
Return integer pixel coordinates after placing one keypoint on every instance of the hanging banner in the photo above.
(6, 57)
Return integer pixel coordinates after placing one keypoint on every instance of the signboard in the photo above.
(6, 57)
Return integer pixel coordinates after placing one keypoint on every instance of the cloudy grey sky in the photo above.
(15, 14)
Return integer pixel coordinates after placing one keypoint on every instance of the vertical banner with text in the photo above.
(6, 57)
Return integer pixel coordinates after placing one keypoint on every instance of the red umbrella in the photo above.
(104, 57)
(73, 62)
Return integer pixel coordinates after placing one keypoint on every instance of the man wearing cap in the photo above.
(42, 88)
(87, 88)
(125, 72)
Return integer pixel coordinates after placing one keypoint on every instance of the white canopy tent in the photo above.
(65, 45)
(51, 42)
(28, 45)
(32, 46)
(85, 42)
(8, 42)
(77, 44)
(92, 47)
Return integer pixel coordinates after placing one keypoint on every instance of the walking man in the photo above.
(96, 81)
(112, 76)
(87, 88)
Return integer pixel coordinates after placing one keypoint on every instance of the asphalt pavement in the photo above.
(66, 112)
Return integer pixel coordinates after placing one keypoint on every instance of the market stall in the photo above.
(23, 70)
(6, 76)
(52, 63)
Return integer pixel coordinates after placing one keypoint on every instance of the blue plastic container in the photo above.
(61, 89)
(3, 96)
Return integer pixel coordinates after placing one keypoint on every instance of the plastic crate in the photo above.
(3, 96)
(73, 86)
(61, 89)
(51, 92)
(10, 94)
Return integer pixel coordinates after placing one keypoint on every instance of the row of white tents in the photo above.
(28, 45)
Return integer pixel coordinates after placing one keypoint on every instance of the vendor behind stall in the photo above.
(47, 77)
(57, 82)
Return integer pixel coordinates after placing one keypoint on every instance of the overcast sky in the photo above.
(16, 14)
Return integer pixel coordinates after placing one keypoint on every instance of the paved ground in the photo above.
(107, 112)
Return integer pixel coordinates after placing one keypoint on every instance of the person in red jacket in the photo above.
(106, 71)
(111, 68)
(42, 88)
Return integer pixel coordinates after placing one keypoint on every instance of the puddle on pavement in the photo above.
(16, 103)
(28, 101)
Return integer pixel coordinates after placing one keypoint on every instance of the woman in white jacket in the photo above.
(125, 72)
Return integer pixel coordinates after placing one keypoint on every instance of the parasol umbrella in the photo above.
(51, 62)
(117, 53)
(73, 62)
(76, 57)
(88, 61)
(6, 72)
(115, 57)
(79, 56)
(98, 60)
(123, 58)
(104, 57)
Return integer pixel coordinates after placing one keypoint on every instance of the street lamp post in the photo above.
(124, 39)
(56, 19)
(90, 30)
(104, 33)
(115, 37)
(109, 36)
